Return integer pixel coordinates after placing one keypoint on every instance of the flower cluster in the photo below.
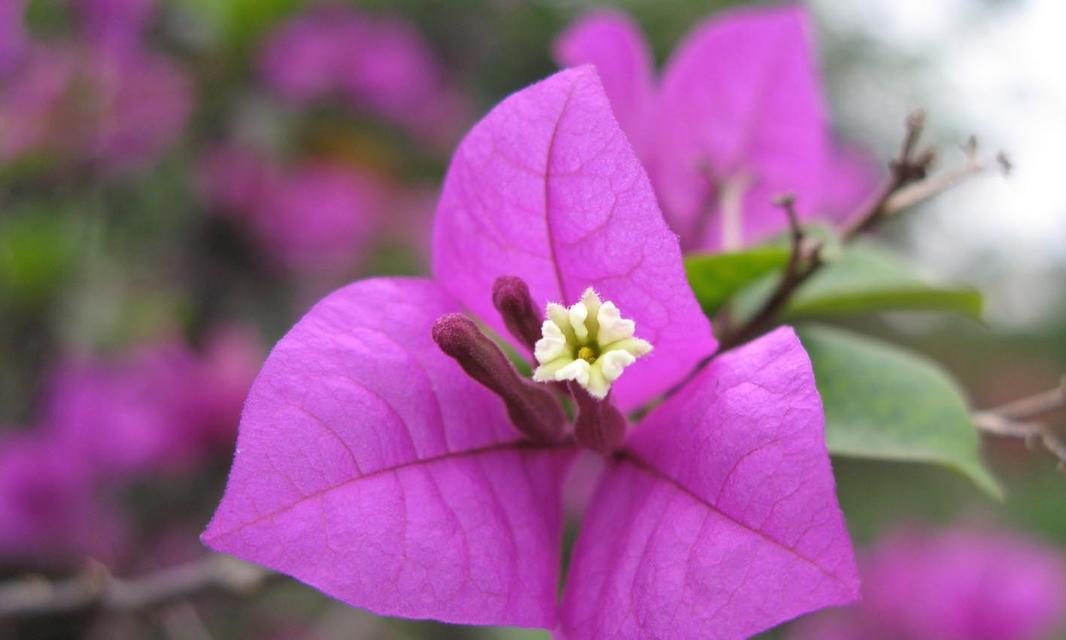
(391, 456)
(957, 584)
(162, 407)
(102, 97)
(319, 217)
(377, 65)
(737, 118)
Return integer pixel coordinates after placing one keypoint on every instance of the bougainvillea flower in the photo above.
(160, 407)
(313, 218)
(144, 102)
(29, 95)
(957, 584)
(13, 38)
(379, 64)
(391, 456)
(47, 509)
(114, 24)
(119, 109)
(225, 369)
(737, 118)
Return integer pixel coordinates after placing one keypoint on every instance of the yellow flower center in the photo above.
(589, 343)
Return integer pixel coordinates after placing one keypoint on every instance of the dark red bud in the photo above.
(599, 426)
(510, 296)
(532, 409)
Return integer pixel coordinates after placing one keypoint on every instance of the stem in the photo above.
(803, 260)
(906, 186)
(919, 192)
(1034, 405)
(727, 200)
(1014, 420)
(731, 209)
(1031, 432)
(98, 589)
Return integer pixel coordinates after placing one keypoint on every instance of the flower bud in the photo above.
(510, 296)
(533, 409)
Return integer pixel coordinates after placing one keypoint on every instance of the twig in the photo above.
(803, 260)
(1031, 432)
(1015, 420)
(916, 193)
(906, 186)
(909, 167)
(97, 589)
(1034, 405)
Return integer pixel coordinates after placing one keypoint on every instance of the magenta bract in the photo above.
(958, 584)
(371, 467)
(737, 118)
(47, 506)
(377, 64)
(106, 98)
(314, 218)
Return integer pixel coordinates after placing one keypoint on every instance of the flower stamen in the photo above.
(589, 343)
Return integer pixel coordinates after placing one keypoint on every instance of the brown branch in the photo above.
(919, 192)
(906, 186)
(907, 168)
(98, 589)
(803, 260)
(1032, 432)
(1034, 405)
(1015, 420)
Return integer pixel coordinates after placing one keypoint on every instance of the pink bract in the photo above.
(13, 38)
(958, 584)
(318, 217)
(737, 118)
(546, 188)
(371, 467)
(378, 64)
(118, 106)
(161, 407)
(47, 506)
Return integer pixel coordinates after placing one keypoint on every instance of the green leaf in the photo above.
(241, 23)
(888, 403)
(38, 251)
(861, 278)
(717, 277)
(868, 278)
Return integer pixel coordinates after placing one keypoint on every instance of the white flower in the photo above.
(589, 343)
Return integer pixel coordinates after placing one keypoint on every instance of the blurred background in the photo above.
(181, 179)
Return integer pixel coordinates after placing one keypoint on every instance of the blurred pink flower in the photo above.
(29, 101)
(737, 118)
(114, 24)
(320, 216)
(12, 34)
(145, 100)
(381, 65)
(228, 365)
(46, 503)
(127, 416)
(161, 407)
(102, 98)
(953, 585)
(316, 217)
(235, 179)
